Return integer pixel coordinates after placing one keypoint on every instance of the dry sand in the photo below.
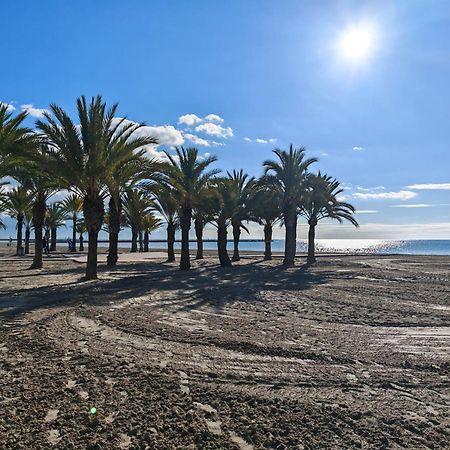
(351, 353)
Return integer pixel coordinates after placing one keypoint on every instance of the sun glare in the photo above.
(356, 43)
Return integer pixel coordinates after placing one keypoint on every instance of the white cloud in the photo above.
(365, 211)
(197, 140)
(213, 118)
(189, 119)
(213, 129)
(324, 154)
(376, 188)
(430, 186)
(247, 139)
(9, 106)
(272, 140)
(356, 148)
(400, 195)
(34, 112)
(261, 141)
(421, 205)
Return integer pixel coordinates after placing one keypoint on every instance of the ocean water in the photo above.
(360, 246)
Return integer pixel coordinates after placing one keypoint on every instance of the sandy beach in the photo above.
(353, 352)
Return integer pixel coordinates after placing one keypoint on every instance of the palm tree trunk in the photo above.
(141, 243)
(114, 230)
(81, 243)
(74, 234)
(53, 240)
(267, 242)
(185, 224)
(222, 244)
(146, 240)
(311, 244)
(27, 240)
(94, 211)
(199, 235)
(170, 242)
(19, 248)
(236, 237)
(290, 245)
(134, 237)
(39, 208)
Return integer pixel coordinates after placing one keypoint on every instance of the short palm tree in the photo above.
(187, 175)
(73, 206)
(203, 214)
(166, 203)
(290, 175)
(87, 156)
(321, 201)
(18, 200)
(150, 223)
(224, 201)
(28, 222)
(266, 210)
(242, 189)
(81, 230)
(136, 207)
(55, 218)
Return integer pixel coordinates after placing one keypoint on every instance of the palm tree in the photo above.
(18, 200)
(81, 229)
(242, 189)
(321, 201)
(73, 206)
(166, 203)
(266, 210)
(290, 175)
(56, 217)
(224, 207)
(202, 214)
(2, 205)
(136, 206)
(149, 223)
(28, 221)
(187, 175)
(15, 139)
(87, 156)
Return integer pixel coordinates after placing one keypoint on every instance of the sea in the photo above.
(349, 246)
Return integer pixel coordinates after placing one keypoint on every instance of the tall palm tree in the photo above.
(266, 210)
(150, 223)
(188, 175)
(15, 139)
(166, 203)
(18, 200)
(321, 201)
(136, 206)
(73, 206)
(2, 205)
(243, 189)
(224, 207)
(290, 175)
(87, 156)
(55, 218)
(203, 213)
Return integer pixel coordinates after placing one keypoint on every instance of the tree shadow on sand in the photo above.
(205, 285)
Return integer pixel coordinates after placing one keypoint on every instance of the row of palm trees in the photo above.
(100, 160)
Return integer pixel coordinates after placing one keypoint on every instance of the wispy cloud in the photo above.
(376, 188)
(197, 140)
(247, 139)
(430, 186)
(358, 149)
(365, 211)
(34, 112)
(261, 140)
(418, 205)
(400, 195)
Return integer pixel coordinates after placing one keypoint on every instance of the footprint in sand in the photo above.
(240, 442)
(52, 414)
(53, 437)
(125, 441)
(184, 382)
(214, 427)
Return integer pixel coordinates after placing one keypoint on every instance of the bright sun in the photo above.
(356, 43)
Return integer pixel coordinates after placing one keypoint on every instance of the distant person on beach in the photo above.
(70, 244)
(45, 244)
(10, 241)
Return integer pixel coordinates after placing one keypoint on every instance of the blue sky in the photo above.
(271, 71)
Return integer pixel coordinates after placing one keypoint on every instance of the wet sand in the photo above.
(353, 352)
